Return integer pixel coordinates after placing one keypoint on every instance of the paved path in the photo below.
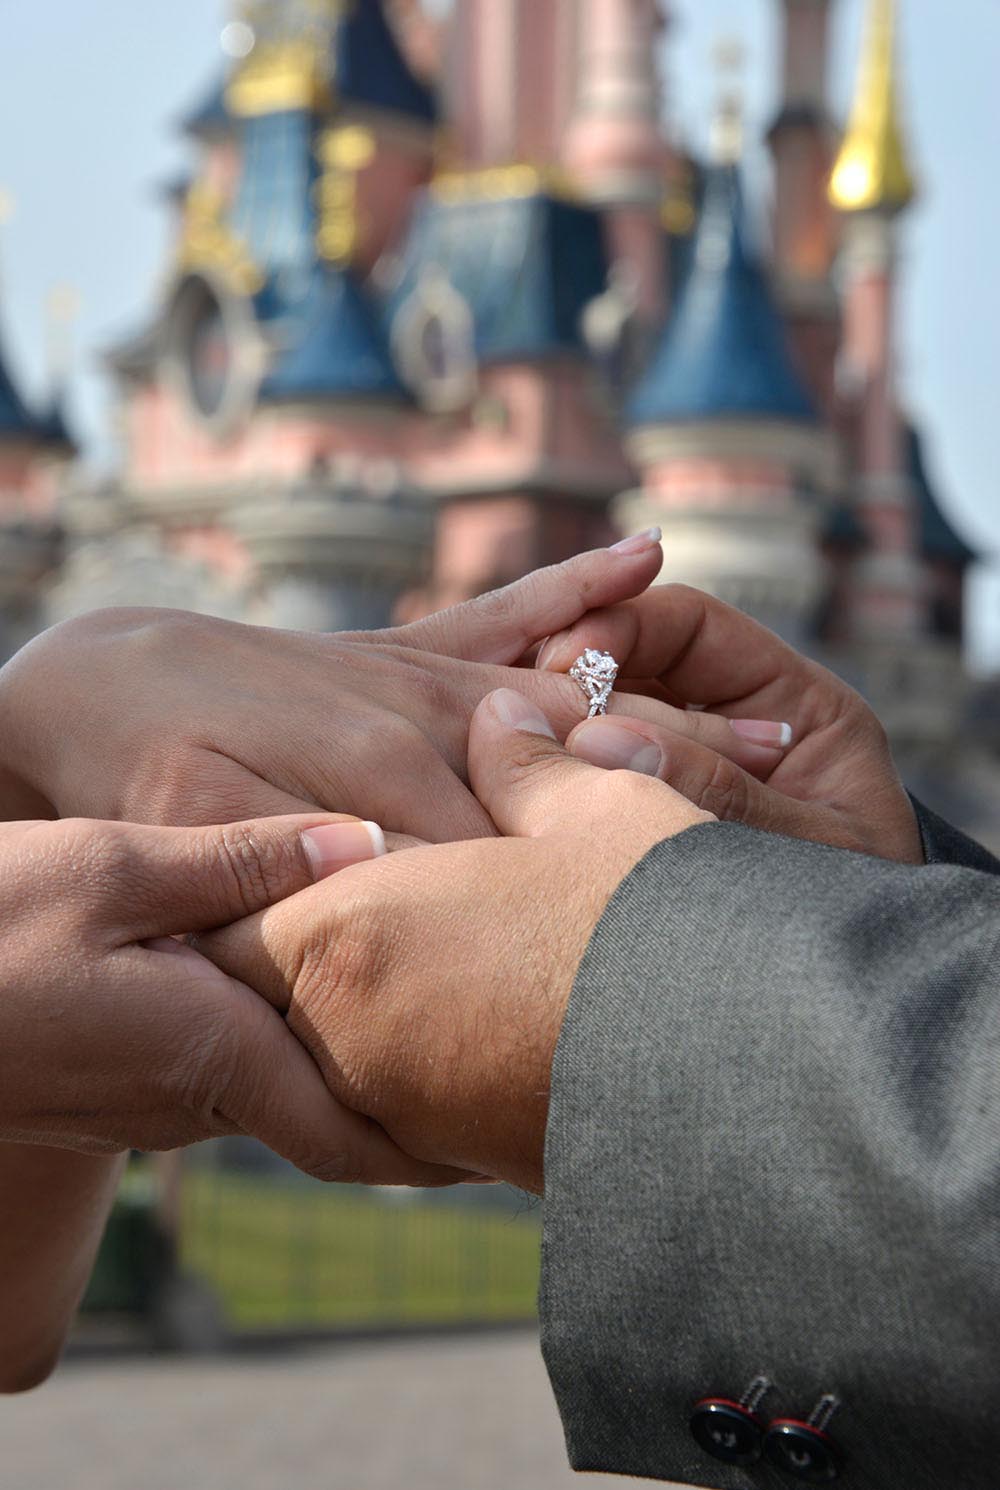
(456, 1413)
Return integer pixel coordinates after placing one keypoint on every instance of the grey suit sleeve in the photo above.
(774, 1148)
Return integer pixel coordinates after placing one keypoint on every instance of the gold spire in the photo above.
(284, 57)
(872, 170)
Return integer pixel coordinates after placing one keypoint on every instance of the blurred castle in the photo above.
(444, 303)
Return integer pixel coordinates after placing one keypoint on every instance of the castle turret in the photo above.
(615, 150)
(336, 548)
(871, 185)
(269, 367)
(512, 85)
(802, 142)
(732, 456)
(486, 322)
(29, 533)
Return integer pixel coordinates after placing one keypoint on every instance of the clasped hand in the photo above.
(428, 987)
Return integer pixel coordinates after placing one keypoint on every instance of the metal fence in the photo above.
(230, 1242)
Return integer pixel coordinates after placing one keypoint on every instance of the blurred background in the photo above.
(323, 313)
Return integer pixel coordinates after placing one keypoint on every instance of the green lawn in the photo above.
(297, 1255)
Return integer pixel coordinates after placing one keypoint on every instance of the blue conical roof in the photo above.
(723, 352)
(337, 348)
(15, 417)
(53, 425)
(210, 115)
(370, 69)
(938, 539)
(526, 267)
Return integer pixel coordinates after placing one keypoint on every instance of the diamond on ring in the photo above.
(596, 673)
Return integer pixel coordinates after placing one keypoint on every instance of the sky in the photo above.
(88, 109)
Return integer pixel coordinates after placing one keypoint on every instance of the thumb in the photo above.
(155, 882)
(531, 786)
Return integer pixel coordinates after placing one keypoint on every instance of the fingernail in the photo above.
(334, 846)
(517, 712)
(548, 650)
(763, 732)
(615, 748)
(638, 542)
(166, 944)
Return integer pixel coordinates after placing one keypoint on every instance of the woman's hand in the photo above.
(164, 717)
(113, 1036)
(835, 782)
(160, 716)
(430, 987)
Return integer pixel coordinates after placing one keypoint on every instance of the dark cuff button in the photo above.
(727, 1431)
(802, 1450)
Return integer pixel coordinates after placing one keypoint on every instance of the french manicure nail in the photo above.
(333, 846)
(763, 732)
(615, 748)
(517, 712)
(638, 542)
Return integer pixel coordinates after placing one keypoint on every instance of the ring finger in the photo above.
(624, 743)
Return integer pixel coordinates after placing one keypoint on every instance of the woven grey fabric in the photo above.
(774, 1147)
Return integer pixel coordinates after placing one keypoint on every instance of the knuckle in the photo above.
(724, 793)
(440, 693)
(621, 785)
(342, 962)
(100, 854)
(527, 757)
(680, 591)
(161, 788)
(870, 729)
(342, 973)
(261, 868)
(185, 784)
(98, 873)
(200, 1066)
(625, 794)
(339, 1167)
(500, 603)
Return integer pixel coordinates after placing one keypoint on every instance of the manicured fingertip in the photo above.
(514, 711)
(333, 846)
(763, 732)
(637, 543)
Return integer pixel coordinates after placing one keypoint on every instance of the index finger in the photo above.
(501, 626)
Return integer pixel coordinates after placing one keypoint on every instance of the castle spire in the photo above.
(726, 137)
(16, 420)
(872, 171)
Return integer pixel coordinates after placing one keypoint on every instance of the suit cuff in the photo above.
(771, 1150)
(944, 844)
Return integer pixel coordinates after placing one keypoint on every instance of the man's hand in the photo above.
(163, 717)
(114, 1036)
(834, 783)
(430, 987)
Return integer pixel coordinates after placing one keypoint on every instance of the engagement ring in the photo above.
(596, 673)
